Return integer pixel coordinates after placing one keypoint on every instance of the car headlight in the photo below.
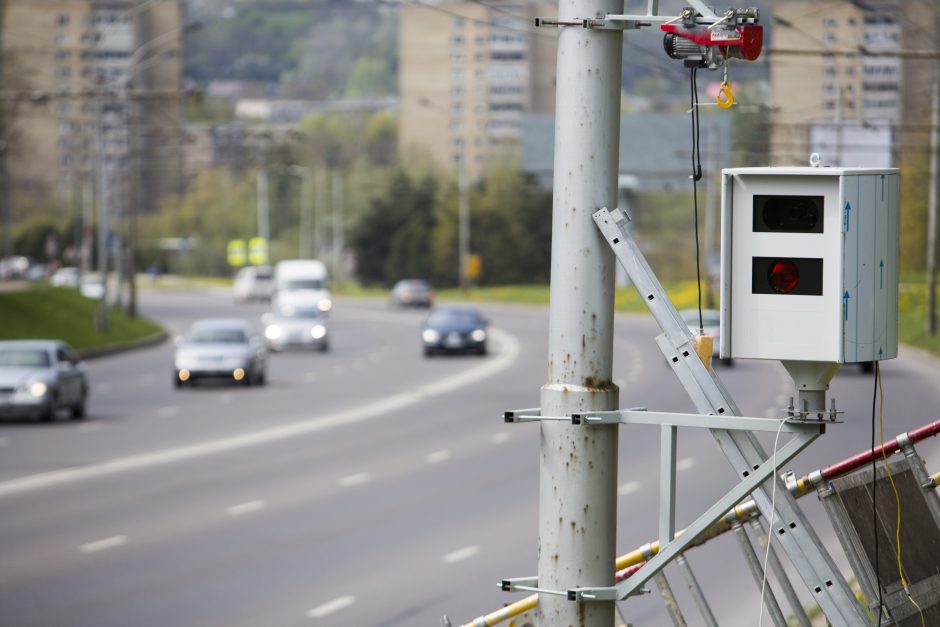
(478, 335)
(318, 332)
(38, 388)
(430, 336)
(272, 332)
(325, 305)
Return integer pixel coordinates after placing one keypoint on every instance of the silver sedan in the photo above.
(220, 348)
(38, 377)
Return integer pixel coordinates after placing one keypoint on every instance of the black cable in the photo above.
(696, 176)
(874, 496)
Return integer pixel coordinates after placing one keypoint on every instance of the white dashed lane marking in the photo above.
(628, 488)
(357, 479)
(460, 554)
(245, 508)
(438, 456)
(330, 607)
(103, 545)
(502, 437)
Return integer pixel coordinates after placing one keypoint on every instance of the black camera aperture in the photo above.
(788, 214)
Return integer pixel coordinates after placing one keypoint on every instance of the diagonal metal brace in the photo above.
(703, 421)
(790, 526)
(675, 548)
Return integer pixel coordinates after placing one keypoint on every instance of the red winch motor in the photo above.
(735, 35)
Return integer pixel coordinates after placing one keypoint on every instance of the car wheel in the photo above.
(428, 352)
(177, 382)
(49, 411)
(78, 410)
(482, 350)
(262, 378)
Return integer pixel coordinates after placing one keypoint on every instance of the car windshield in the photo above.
(304, 284)
(218, 336)
(288, 311)
(454, 317)
(24, 358)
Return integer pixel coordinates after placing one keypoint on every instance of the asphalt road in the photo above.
(365, 486)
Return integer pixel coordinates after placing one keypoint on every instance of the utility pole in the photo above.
(264, 210)
(463, 223)
(578, 469)
(338, 226)
(103, 175)
(306, 209)
(932, 207)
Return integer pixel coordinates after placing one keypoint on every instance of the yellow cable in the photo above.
(897, 496)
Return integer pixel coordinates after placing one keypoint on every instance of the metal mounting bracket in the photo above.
(745, 454)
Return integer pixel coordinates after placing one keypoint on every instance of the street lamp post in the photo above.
(463, 224)
(306, 208)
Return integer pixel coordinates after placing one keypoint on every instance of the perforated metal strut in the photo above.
(788, 524)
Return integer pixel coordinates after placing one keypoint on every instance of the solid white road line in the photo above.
(330, 607)
(245, 508)
(628, 488)
(501, 437)
(686, 463)
(509, 348)
(357, 479)
(438, 456)
(460, 554)
(168, 412)
(102, 545)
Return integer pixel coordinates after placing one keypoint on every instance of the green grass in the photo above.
(63, 314)
(682, 293)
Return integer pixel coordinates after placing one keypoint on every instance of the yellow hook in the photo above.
(725, 98)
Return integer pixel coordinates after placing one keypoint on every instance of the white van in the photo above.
(301, 284)
(253, 283)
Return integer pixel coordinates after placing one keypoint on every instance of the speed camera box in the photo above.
(809, 264)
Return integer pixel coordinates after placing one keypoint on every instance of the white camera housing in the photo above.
(809, 264)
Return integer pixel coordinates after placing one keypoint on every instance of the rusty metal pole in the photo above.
(578, 470)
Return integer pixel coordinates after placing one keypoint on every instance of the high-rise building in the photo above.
(852, 98)
(96, 87)
(468, 71)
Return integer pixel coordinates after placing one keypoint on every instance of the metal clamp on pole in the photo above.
(513, 585)
(531, 415)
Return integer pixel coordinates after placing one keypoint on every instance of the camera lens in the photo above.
(789, 214)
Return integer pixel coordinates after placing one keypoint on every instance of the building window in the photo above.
(61, 40)
(62, 19)
(480, 41)
(456, 40)
(456, 91)
(65, 126)
(830, 22)
(456, 75)
(830, 39)
(830, 71)
(829, 104)
(829, 88)
(63, 55)
(63, 107)
(456, 57)
(507, 55)
(64, 71)
(457, 22)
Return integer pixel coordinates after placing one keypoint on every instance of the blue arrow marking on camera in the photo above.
(848, 209)
(882, 268)
(882, 186)
(846, 299)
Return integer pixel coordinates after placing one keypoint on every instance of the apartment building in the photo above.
(468, 72)
(97, 90)
(851, 107)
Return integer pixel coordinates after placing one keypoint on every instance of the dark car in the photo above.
(411, 293)
(38, 377)
(454, 330)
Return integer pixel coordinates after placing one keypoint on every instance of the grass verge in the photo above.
(63, 314)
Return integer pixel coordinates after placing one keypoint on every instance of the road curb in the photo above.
(114, 349)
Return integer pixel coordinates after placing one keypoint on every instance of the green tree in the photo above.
(510, 229)
(392, 240)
